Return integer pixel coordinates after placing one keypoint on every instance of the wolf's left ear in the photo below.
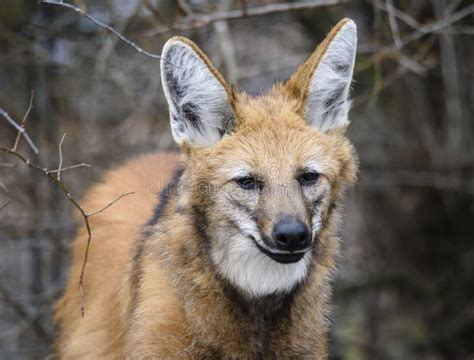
(322, 83)
(197, 95)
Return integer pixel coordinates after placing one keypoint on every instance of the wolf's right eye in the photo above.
(248, 183)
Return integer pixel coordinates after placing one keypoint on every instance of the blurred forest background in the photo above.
(406, 287)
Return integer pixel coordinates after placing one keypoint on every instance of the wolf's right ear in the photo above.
(198, 97)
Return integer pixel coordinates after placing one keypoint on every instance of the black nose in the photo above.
(291, 234)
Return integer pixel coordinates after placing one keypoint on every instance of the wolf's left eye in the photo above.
(248, 183)
(308, 178)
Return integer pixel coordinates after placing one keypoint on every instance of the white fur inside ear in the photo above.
(200, 112)
(328, 101)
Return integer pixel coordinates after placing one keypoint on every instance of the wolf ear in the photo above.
(322, 82)
(197, 95)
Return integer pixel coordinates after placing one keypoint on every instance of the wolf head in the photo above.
(264, 173)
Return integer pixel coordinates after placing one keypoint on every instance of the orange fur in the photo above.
(105, 299)
(151, 290)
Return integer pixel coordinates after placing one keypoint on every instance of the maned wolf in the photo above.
(234, 260)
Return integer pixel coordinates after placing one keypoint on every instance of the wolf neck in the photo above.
(217, 310)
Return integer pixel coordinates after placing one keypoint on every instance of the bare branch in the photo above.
(401, 71)
(4, 188)
(438, 25)
(57, 171)
(411, 64)
(51, 174)
(391, 51)
(243, 5)
(394, 25)
(413, 23)
(109, 204)
(55, 177)
(196, 21)
(10, 196)
(60, 150)
(459, 30)
(184, 6)
(423, 30)
(224, 38)
(88, 244)
(267, 9)
(23, 121)
(25, 314)
(455, 126)
(21, 130)
(46, 172)
(4, 206)
(7, 165)
(102, 25)
(394, 12)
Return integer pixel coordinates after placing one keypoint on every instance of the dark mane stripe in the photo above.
(136, 274)
(164, 197)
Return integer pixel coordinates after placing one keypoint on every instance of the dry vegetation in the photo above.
(406, 283)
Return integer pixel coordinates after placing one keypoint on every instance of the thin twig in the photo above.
(266, 10)
(390, 51)
(2, 185)
(4, 206)
(243, 6)
(421, 31)
(395, 75)
(75, 166)
(413, 23)
(86, 217)
(4, 188)
(102, 25)
(109, 204)
(411, 64)
(184, 6)
(55, 177)
(400, 15)
(10, 196)
(196, 21)
(438, 25)
(20, 129)
(60, 150)
(7, 165)
(51, 174)
(394, 25)
(25, 314)
(224, 38)
(23, 121)
(46, 172)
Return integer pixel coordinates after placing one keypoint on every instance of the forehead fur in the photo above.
(271, 136)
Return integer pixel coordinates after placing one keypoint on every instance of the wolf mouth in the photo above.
(282, 258)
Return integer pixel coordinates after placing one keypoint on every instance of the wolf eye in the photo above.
(308, 178)
(248, 183)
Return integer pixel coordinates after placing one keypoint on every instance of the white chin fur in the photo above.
(253, 272)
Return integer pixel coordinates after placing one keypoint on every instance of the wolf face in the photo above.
(264, 174)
